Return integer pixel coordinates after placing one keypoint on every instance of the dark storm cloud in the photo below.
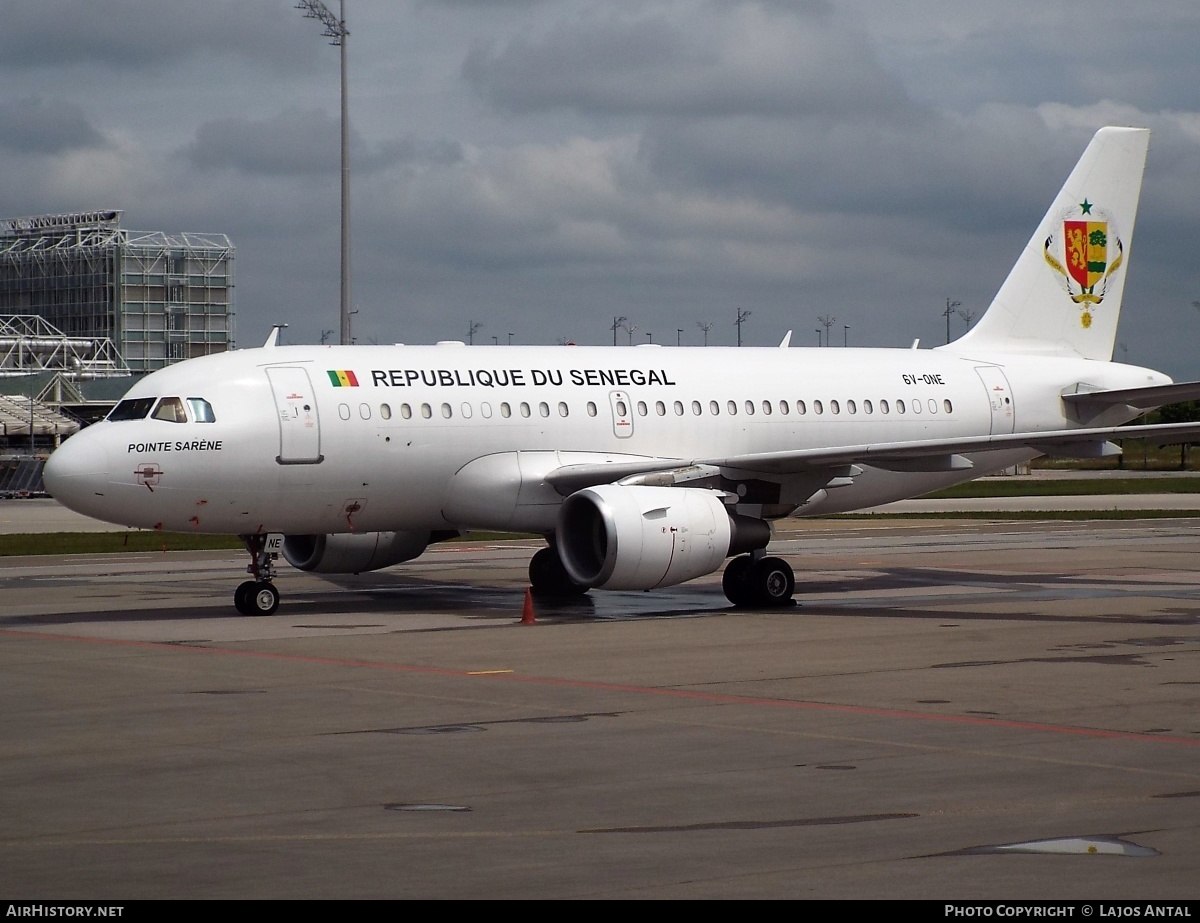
(136, 35)
(731, 58)
(303, 142)
(927, 165)
(39, 126)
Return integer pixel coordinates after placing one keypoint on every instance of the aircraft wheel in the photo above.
(548, 577)
(736, 581)
(265, 599)
(242, 597)
(772, 582)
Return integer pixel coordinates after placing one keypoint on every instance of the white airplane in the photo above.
(644, 466)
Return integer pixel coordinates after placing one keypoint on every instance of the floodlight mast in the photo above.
(335, 28)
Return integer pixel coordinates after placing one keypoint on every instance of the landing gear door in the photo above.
(299, 428)
(999, 399)
(622, 413)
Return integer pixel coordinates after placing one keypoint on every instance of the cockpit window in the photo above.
(171, 410)
(132, 408)
(201, 409)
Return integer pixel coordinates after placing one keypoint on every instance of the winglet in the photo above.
(787, 340)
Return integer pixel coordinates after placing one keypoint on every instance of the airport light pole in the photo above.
(618, 323)
(335, 28)
(950, 306)
(705, 326)
(827, 322)
(741, 319)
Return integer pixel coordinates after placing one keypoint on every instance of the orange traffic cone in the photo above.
(527, 613)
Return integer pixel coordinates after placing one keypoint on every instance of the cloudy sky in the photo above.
(539, 167)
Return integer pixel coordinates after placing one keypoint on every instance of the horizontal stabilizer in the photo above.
(1148, 398)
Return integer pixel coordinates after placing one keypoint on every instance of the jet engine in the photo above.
(637, 538)
(353, 552)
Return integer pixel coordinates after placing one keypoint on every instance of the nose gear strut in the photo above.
(258, 596)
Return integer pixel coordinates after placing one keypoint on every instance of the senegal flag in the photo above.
(342, 378)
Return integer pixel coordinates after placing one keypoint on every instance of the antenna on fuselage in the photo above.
(273, 339)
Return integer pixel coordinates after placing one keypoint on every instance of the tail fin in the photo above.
(1063, 296)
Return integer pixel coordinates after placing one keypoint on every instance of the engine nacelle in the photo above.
(353, 552)
(639, 538)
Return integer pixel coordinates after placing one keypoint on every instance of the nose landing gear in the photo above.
(258, 596)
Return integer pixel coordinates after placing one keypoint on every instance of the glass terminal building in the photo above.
(159, 298)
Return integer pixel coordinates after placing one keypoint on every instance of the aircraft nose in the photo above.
(75, 473)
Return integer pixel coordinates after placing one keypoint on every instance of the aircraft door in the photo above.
(999, 399)
(299, 428)
(622, 413)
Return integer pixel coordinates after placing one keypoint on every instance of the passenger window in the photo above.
(899, 405)
(426, 411)
(801, 408)
(867, 408)
(916, 406)
(851, 407)
(947, 406)
(385, 411)
(486, 409)
(731, 406)
(767, 407)
(406, 411)
(883, 406)
(591, 408)
(783, 408)
(932, 406)
(641, 407)
(660, 408)
(466, 410)
(714, 408)
(505, 410)
(364, 411)
(818, 407)
(696, 408)
(834, 407)
(544, 409)
(133, 409)
(563, 410)
(524, 409)
(171, 410)
(446, 411)
(201, 409)
(344, 411)
(622, 410)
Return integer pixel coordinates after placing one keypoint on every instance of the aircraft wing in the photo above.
(1142, 398)
(915, 455)
(945, 454)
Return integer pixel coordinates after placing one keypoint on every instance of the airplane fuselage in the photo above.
(344, 439)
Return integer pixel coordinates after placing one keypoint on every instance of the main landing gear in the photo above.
(258, 596)
(548, 577)
(758, 581)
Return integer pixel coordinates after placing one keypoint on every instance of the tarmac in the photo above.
(955, 709)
